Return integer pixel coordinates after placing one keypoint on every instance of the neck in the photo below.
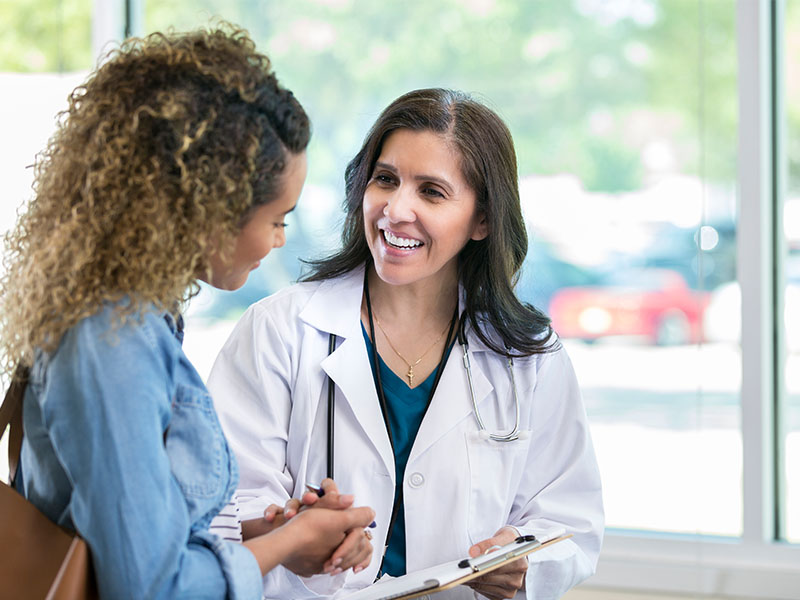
(420, 302)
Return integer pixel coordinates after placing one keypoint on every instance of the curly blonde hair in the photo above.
(158, 161)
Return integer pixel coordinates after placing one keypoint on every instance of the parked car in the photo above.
(544, 272)
(656, 305)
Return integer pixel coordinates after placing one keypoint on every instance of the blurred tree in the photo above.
(53, 36)
(615, 92)
(583, 85)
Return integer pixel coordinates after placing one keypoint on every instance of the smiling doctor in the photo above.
(405, 366)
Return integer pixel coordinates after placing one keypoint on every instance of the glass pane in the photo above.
(624, 117)
(45, 51)
(790, 411)
(45, 36)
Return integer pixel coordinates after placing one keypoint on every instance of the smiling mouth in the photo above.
(399, 242)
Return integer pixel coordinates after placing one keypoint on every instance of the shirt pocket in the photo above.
(196, 446)
(495, 470)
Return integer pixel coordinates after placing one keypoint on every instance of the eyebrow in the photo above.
(432, 178)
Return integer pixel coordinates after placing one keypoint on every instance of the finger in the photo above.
(309, 499)
(510, 575)
(481, 547)
(509, 582)
(271, 512)
(360, 518)
(504, 535)
(329, 486)
(351, 551)
(493, 592)
(367, 558)
(291, 507)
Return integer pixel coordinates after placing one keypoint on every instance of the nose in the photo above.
(400, 206)
(279, 241)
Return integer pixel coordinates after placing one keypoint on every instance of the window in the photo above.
(620, 113)
(644, 132)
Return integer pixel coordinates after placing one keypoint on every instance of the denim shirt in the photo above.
(123, 445)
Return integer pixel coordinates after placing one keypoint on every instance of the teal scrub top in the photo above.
(406, 408)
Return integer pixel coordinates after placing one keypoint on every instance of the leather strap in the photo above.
(11, 414)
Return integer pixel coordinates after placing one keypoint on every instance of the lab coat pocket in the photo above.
(195, 444)
(495, 470)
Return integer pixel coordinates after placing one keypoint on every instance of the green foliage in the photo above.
(45, 35)
(586, 86)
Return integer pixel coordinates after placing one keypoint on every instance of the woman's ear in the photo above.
(481, 229)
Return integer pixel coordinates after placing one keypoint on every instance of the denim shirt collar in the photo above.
(175, 326)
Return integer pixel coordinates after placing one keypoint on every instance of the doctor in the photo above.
(454, 461)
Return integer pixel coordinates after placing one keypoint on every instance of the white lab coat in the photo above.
(269, 384)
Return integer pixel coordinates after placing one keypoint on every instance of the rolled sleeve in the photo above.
(238, 565)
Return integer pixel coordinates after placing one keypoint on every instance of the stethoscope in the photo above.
(497, 437)
(511, 436)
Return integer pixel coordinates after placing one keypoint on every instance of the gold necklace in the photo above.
(411, 366)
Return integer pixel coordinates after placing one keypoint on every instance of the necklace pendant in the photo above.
(410, 375)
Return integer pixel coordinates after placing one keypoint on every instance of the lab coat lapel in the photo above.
(348, 367)
(452, 402)
(336, 308)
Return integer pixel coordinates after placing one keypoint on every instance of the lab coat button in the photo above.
(416, 480)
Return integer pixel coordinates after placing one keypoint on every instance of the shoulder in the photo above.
(113, 326)
(110, 360)
(332, 305)
(114, 342)
(292, 299)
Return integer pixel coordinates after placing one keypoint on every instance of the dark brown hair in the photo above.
(489, 268)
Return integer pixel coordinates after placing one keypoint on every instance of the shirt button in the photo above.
(416, 480)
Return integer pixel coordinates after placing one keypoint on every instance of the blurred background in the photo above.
(627, 122)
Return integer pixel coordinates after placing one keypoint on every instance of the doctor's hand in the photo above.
(330, 498)
(506, 581)
(333, 541)
(275, 515)
(315, 541)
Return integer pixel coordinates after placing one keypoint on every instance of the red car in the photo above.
(655, 304)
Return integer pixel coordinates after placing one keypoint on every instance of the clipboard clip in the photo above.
(518, 547)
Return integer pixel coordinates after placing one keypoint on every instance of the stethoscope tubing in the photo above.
(497, 437)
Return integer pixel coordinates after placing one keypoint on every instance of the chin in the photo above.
(395, 275)
(229, 284)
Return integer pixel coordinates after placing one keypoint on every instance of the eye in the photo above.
(432, 192)
(384, 178)
(281, 225)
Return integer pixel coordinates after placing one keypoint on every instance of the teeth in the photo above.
(400, 242)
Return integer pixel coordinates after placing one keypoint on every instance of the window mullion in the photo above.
(755, 266)
(108, 25)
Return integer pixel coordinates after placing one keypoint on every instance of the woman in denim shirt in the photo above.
(176, 161)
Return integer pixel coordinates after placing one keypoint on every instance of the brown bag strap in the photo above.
(11, 413)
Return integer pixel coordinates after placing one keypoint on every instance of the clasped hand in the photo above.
(335, 547)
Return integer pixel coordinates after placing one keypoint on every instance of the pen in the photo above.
(320, 493)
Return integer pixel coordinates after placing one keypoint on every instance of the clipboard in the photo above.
(450, 574)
